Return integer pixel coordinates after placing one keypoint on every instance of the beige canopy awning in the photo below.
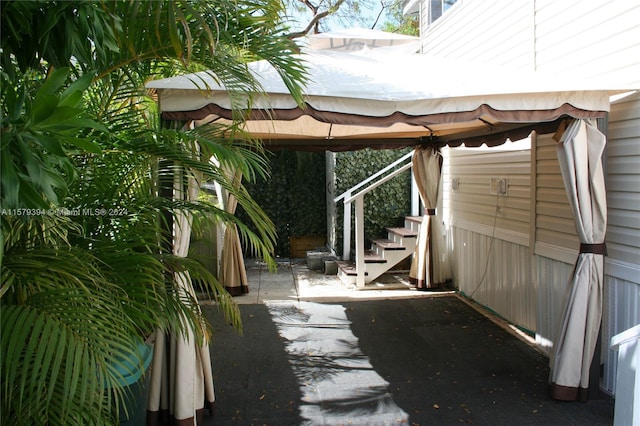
(383, 97)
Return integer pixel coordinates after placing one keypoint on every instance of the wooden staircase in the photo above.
(384, 253)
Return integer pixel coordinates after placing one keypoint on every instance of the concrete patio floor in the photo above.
(315, 351)
(293, 280)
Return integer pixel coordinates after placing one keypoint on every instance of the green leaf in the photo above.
(17, 101)
(52, 145)
(78, 86)
(58, 117)
(10, 182)
(43, 106)
(32, 199)
(54, 82)
(85, 123)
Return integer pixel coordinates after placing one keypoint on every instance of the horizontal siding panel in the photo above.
(624, 132)
(609, 28)
(462, 211)
(548, 166)
(515, 193)
(499, 169)
(627, 165)
(554, 218)
(589, 31)
(471, 201)
(622, 252)
(627, 146)
(553, 195)
(547, 153)
(626, 236)
(464, 179)
(623, 183)
(550, 181)
(557, 224)
(468, 156)
(545, 140)
(482, 185)
(554, 210)
(519, 191)
(468, 32)
(474, 203)
(609, 62)
(558, 239)
(626, 109)
(479, 218)
(624, 203)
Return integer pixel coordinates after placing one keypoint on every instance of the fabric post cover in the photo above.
(580, 151)
(232, 269)
(181, 383)
(427, 163)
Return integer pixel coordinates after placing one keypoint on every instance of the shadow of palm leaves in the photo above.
(336, 377)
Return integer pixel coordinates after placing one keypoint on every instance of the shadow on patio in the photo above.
(412, 360)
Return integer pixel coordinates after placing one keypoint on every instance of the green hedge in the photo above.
(293, 196)
(385, 206)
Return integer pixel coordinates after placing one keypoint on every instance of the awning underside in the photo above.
(303, 132)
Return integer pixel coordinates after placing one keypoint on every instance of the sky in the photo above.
(344, 18)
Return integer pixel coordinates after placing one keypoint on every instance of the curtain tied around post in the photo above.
(580, 151)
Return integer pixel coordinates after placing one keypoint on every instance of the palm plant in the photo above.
(85, 269)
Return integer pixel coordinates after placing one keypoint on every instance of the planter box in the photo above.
(300, 245)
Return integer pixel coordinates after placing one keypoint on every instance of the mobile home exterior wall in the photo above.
(534, 229)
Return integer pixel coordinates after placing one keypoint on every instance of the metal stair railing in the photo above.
(349, 197)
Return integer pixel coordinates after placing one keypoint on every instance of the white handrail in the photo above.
(379, 182)
(373, 176)
(359, 201)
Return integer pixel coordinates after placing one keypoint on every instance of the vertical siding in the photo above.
(495, 273)
(552, 279)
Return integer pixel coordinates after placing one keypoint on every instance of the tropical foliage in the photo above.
(87, 265)
(294, 196)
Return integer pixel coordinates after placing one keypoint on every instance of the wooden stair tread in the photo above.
(417, 219)
(388, 244)
(348, 268)
(392, 249)
(403, 232)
